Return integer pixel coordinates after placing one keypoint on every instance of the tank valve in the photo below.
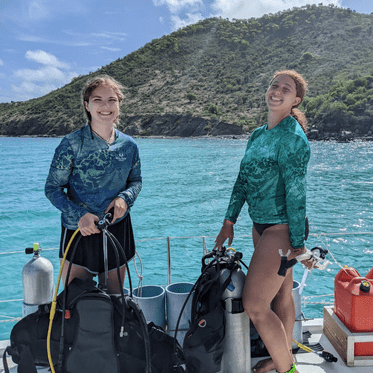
(35, 249)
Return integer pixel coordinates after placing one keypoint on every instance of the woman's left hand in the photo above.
(120, 208)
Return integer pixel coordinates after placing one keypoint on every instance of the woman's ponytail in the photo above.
(300, 117)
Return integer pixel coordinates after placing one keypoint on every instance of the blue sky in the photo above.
(46, 43)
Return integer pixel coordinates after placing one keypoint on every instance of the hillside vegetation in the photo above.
(210, 78)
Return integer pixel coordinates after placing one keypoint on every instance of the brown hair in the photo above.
(97, 81)
(301, 88)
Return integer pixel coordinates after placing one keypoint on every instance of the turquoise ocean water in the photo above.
(186, 189)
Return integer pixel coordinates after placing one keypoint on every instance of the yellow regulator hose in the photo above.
(54, 303)
(232, 249)
(303, 347)
(330, 358)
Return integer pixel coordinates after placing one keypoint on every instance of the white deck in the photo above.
(305, 362)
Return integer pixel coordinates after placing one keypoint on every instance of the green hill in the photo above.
(210, 78)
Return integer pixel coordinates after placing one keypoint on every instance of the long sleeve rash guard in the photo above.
(272, 179)
(93, 174)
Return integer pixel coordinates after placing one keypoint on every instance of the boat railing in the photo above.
(305, 299)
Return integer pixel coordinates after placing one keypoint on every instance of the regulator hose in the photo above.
(130, 302)
(330, 358)
(62, 336)
(54, 303)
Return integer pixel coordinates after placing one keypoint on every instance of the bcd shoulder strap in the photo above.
(203, 344)
(21, 356)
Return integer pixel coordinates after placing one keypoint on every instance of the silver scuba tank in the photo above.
(237, 344)
(37, 280)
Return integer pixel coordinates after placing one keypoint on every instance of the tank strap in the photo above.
(292, 370)
(234, 305)
(285, 265)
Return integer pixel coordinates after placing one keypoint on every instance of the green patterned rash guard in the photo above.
(86, 175)
(272, 179)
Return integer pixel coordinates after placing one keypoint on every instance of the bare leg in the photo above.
(262, 285)
(284, 310)
(264, 365)
(283, 306)
(112, 281)
(76, 271)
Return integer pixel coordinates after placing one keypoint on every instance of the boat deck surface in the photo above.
(305, 362)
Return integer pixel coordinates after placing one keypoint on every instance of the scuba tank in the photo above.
(37, 280)
(237, 343)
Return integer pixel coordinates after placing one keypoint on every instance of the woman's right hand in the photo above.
(87, 224)
(226, 231)
(308, 263)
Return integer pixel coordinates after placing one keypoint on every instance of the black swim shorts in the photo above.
(90, 253)
(260, 228)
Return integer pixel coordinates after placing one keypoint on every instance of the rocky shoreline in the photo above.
(341, 130)
(342, 136)
(188, 126)
(327, 138)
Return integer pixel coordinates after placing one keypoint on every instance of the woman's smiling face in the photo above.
(103, 105)
(281, 94)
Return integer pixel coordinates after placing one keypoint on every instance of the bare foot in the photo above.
(264, 366)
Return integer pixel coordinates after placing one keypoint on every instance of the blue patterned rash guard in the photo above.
(93, 175)
(272, 179)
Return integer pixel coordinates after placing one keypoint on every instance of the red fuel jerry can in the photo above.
(353, 304)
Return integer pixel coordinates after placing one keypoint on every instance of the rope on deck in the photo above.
(14, 319)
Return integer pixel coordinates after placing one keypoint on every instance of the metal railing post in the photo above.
(168, 260)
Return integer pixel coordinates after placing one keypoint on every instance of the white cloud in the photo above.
(45, 74)
(176, 5)
(33, 39)
(37, 39)
(1, 63)
(243, 9)
(118, 36)
(111, 49)
(190, 19)
(38, 10)
(183, 12)
(36, 82)
(29, 90)
(186, 12)
(46, 59)
(78, 39)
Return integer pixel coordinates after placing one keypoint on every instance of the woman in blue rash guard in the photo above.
(272, 180)
(96, 169)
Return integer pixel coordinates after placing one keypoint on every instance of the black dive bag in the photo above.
(92, 332)
(203, 344)
(92, 338)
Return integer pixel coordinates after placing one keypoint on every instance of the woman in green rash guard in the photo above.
(272, 180)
